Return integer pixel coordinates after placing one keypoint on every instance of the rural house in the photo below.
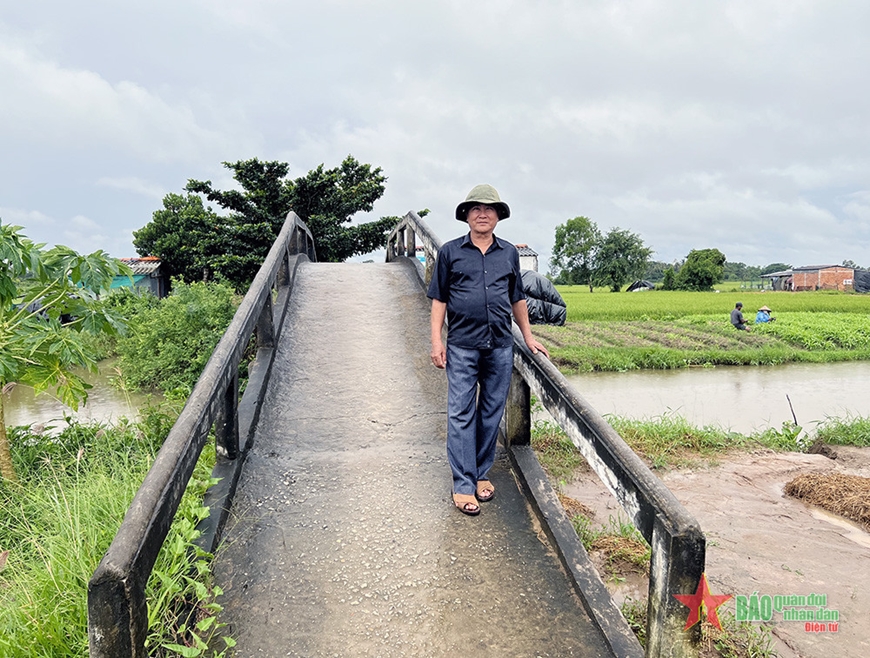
(818, 277)
(147, 275)
(528, 257)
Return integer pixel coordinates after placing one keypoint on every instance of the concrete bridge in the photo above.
(333, 524)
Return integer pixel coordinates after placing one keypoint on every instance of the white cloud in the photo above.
(134, 185)
(739, 124)
(69, 108)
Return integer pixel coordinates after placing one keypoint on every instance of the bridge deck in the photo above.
(343, 540)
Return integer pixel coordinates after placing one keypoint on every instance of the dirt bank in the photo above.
(759, 540)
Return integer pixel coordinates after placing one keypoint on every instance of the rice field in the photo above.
(676, 329)
(671, 304)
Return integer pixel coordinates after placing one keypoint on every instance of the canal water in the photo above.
(105, 403)
(741, 399)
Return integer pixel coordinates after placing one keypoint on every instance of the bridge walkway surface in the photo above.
(343, 539)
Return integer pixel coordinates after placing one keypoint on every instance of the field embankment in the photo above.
(665, 329)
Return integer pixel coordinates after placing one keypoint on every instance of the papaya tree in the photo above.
(48, 297)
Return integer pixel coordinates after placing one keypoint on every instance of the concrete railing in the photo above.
(678, 545)
(402, 241)
(117, 609)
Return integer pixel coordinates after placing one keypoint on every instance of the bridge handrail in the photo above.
(402, 241)
(678, 544)
(117, 609)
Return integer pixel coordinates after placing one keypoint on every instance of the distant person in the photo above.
(763, 315)
(737, 318)
(477, 285)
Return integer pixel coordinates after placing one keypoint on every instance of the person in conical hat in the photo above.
(476, 286)
(763, 315)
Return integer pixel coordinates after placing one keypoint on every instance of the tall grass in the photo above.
(670, 440)
(56, 524)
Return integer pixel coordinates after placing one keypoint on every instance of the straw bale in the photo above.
(846, 495)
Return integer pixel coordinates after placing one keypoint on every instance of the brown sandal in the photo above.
(466, 504)
(485, 491)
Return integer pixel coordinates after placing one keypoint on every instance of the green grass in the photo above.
(735, 640)
(670, 441)
(702, 340)
(850, 431)
(557, 454)
(672, 304)
(56, 524)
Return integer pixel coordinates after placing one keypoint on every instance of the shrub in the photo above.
(167, 347)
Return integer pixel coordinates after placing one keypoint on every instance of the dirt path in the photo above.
(759, 540)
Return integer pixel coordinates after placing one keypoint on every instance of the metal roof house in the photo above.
(147, 275)
(528, 257)
(813, 277)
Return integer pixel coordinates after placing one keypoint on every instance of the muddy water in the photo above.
(105, 403)
(737, 398)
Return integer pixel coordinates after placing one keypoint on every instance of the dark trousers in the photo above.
(477, 389)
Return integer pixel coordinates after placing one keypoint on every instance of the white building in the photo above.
(528, 257)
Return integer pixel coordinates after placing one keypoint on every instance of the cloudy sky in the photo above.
(738, 124)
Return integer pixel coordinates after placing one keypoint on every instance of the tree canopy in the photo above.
(197, 243)
(581, 255)
(575, 250)
(703, 268)
(622, 257)
(46, 298)
(775, 267)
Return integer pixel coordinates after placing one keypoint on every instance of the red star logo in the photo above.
(702, 598)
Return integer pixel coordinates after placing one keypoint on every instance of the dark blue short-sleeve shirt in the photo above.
(479, 290)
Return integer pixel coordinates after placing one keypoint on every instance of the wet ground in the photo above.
(760, 541)
(344, 540)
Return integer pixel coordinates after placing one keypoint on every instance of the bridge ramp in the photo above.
(344, 540)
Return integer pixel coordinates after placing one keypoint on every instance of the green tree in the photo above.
(577, 243)
(622, 257)
(47, 297)
(186, 235)
(669, 280)
(740, 272)
(168, 344)
(231, 246)
(655, 270)
(775, 267)
(703, 268)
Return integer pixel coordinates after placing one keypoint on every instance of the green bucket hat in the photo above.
(482, 194)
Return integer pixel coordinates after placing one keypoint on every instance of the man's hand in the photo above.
(535, 346)
(439, 355)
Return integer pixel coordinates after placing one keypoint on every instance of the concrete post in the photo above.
(675, 568)
(518, 423)
(410, 243)
(266, 324)
(226, 424)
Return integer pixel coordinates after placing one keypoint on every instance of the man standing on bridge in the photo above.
(476, 285)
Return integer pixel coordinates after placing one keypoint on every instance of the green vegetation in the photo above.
(702, 269)
(198, 244)
(75, 487)
(671, 305)
(671, 441)
(169, 342)
(851, 431)
(582, 255)
(736, 639)
(661, 330)
(48, 298)
(621, 544)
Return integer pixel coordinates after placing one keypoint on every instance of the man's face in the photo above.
(482, 218)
